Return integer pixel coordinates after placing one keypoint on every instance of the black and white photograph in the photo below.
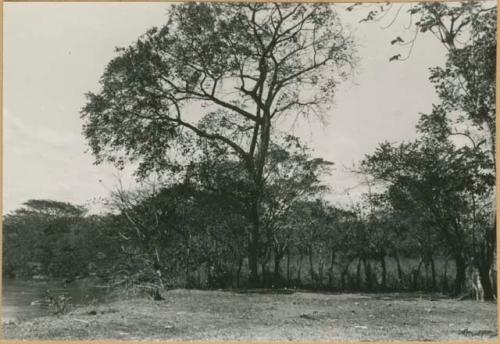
(249, 171)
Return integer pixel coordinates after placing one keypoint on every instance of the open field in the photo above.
(224, 315)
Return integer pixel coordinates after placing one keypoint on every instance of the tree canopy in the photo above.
(239, 65)
(237, 68)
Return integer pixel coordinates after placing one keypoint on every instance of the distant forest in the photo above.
(231, 201)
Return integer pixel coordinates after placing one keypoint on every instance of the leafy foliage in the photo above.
(230, 58)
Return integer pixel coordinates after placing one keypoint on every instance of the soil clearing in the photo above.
(225, 315)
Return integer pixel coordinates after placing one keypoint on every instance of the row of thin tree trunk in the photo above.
(356, 274)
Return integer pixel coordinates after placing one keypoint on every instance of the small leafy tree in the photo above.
(440, 182)
(40, 233)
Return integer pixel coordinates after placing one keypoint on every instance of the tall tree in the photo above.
(246, 64)
(466, 86)
(466, 83)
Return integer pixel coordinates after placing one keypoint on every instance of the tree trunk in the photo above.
(445, 277)
(288, 267)
(384, 271)
(460, 274)
(400, 271)
(368, 274)
(253, 247)
(330, 270)
(433, 274)
(157, 267)
(483, 261)
(484, 277)
(493, 279)
(231, 276)
(264, 274)
(299, 281)
(209, 275)
(277, 262)
(320, 274)
(343, 281)
(311, 267)
(415, 275)
(358, 275)
(426, 281)
(238, 272)
(186, 271)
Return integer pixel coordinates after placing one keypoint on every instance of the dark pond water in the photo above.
(18, 296)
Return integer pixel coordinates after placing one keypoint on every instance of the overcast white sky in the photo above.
(55, 52)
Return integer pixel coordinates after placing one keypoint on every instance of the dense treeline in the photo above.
(237, 203)
(193, 233)
(55, 239)
(322, 247)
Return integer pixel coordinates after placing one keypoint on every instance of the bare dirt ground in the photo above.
(223, 315)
